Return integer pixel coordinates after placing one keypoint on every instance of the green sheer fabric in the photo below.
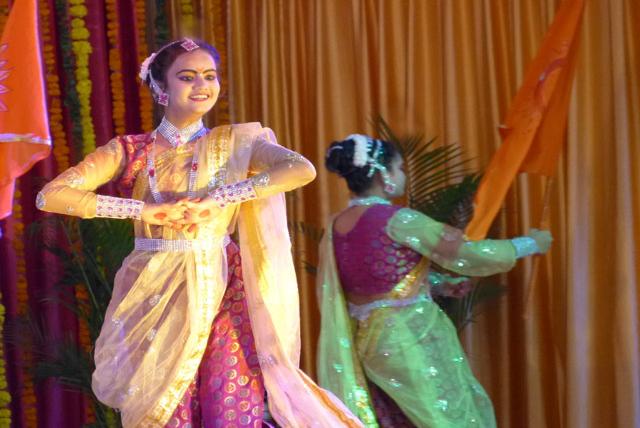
(339, 369)
(447, 246)
(411, 351)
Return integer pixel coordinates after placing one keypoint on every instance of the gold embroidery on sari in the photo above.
(217, 155)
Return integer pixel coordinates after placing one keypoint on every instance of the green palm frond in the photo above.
(308, 230)
(440, 182)
(90, 253)
(67, 363)
(442, 186)
(452, 204)
(463, 311)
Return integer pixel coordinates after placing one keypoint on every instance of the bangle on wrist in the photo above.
(112, 207)
(236, 193)
(525, 246)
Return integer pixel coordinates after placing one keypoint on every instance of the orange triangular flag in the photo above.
(535, 125)
(24, 125)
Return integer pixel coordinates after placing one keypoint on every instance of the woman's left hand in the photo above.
(199, 211)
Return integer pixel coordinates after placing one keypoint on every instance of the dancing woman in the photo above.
(198, 326)
(386, 348)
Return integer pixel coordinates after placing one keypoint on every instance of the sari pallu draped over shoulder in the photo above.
(163, 305)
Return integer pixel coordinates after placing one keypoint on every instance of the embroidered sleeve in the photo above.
(277, 169)
(448, 247)
(273, 169)
(110, 207)
(236, 193)
(72, 192)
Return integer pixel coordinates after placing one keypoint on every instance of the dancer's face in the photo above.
(192, 84)
(397, 175)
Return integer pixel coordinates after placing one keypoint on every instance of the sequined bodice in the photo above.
(369, 261)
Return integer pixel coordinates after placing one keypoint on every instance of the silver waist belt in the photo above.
(362, 312)
(180, 245)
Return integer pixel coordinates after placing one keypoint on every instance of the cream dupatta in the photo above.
(163, 304)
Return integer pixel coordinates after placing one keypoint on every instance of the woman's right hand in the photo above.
(166, 214)
(543, 239)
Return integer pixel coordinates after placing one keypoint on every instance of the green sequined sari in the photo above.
(410, 349)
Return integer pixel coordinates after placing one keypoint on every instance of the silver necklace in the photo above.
(369, 200)
(151, 172)
(177, 137)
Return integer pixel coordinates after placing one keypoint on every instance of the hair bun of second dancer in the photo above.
(339, 160)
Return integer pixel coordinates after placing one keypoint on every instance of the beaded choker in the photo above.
(177, 137)
(369, 200)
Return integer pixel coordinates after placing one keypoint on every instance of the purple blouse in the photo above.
(369, 261)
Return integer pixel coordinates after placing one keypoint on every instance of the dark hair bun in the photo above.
(339, 159)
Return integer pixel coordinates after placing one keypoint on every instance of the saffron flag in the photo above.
(535, 125)
(24, 125)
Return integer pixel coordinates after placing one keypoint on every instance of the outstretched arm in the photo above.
(449, 248)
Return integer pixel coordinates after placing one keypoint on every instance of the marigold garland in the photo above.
(115, 69)
(220, 39)
(186, 15)
(146, 101)
(5, 397)
(81, 48)
(84, 338)
(68, 68)
(161, 24)
(28, 396)
(56, 118)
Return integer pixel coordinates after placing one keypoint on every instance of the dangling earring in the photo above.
(389, 186)
(163, 99)
(161, 96)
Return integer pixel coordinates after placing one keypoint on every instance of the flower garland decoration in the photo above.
(146, 101)
(161, 24)
(84, 338)
(216, 10)
(5, 397)
(115, 69)
(56, 119)
(187, 19)
(82, 49)
(28, 396)
(70, 100)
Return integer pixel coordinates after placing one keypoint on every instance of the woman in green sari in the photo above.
(386, 348)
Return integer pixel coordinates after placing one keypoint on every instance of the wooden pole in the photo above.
(543, 224)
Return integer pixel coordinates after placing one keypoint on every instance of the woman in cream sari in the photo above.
(198, 326)
(386, 348)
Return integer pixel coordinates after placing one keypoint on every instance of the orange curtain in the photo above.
(316, 71)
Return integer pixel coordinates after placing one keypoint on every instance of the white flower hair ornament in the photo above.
(144, 67)
(361, 158)
(360, 150)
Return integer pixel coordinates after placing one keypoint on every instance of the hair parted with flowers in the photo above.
(147, 76)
